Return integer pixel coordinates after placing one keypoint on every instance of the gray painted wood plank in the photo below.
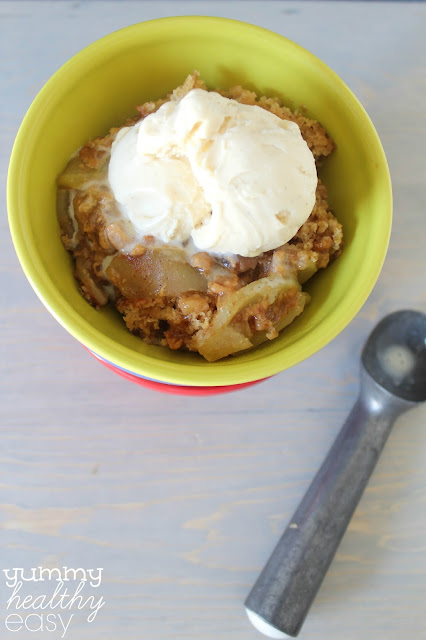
(181, 500)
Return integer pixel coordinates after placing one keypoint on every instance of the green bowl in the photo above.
(99, 88)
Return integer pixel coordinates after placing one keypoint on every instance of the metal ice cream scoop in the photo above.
(393, 380)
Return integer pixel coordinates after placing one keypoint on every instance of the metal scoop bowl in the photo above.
(393, 380)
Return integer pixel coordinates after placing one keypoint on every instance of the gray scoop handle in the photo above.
(284, 591)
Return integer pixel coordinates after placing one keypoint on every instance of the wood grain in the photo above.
(181, 500)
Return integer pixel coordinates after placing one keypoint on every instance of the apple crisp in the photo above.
(177, 296)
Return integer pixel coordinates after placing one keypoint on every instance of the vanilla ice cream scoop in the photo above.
(234, 177)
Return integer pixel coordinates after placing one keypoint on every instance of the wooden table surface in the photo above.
(180, 500)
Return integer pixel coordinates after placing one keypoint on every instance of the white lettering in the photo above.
(98, 579)
(97, 607)
(37, 605)
(74, 572)
(49, 572)
(15, 577)
(32, 579)
(48, 621)
(40, 622)
(16, 588)
(61, 597)
(27, 603)
(8, 621)
(62, 623)
(76, 597)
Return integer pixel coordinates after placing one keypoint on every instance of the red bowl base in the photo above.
(175, 389)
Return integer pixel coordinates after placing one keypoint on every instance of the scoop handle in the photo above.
(284, 591)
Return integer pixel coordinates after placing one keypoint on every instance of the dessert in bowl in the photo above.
(201, 220)
(99, 88)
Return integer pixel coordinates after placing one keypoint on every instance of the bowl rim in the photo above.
(142, 364)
